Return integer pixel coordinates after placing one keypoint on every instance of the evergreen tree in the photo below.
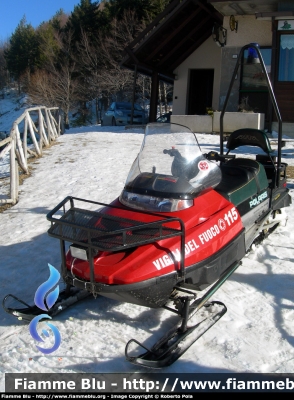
(48, 36)
(59, 20)
(73, 59)
(145, 10)
(87, 18)
(22, 55)
(4, 76)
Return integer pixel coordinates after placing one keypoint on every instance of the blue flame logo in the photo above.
(40, 299)
(45, 287)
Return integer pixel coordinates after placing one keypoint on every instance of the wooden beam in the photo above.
(131, 54)
(154, 97)
(210, 10)
(155, 22)
(181, 42)
(153, 29)
(175, 32)
(274, 14)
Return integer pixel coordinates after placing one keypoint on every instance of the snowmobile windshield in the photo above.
(169, 171)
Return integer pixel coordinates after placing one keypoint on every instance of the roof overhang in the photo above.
(184, 25)
(260, 8)
(174, 35)
(244, 7)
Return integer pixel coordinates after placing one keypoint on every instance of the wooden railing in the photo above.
(40, 124)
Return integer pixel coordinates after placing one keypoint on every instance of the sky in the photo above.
(256, 335)
(35, 11)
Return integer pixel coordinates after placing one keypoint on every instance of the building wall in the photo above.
(222, 60)
(207, 56)
(250, 30)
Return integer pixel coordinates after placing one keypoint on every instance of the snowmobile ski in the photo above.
(179, 338)
(27, 313)
(176, 342)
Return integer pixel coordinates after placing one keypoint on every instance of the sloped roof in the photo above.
(175, 34)
(259, 8)
(184, 25)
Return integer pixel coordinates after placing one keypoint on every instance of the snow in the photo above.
(255, 335)
(11, 107)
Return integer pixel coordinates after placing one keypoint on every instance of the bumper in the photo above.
(153, 293)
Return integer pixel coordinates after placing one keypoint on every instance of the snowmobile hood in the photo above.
(169, 171)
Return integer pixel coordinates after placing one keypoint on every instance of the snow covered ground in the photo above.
(255, 335)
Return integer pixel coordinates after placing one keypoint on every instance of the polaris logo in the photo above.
(258, 199)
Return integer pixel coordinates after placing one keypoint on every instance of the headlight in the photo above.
(157, 204)
(79, 252)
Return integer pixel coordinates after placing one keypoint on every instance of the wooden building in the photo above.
(194, 45)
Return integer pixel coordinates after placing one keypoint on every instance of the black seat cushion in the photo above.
(242, 178)
(249, 137)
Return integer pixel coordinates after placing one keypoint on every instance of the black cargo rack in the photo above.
(97, 230)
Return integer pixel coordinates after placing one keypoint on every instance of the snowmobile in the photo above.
(176, 233)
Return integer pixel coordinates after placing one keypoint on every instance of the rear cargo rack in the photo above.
(102, 231)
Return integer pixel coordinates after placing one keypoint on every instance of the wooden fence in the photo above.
(40, 126)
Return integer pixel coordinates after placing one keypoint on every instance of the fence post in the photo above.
(28, 117)
(18, 148)
(13, 173)
(24, 141)
(19, 153)
(42, 133)
(53, 124)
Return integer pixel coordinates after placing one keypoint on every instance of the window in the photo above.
(252, 76)
(286, 58)
(253, 93)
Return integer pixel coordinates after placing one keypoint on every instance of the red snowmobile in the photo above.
(180, 228)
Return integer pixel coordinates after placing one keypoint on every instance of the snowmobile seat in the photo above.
(255, 137)
(249, 137)
(242, 178)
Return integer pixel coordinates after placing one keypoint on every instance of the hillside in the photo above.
(11, 107)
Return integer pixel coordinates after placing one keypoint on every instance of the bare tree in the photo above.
(164, 91)
(144, 88)
(87, 70)
(116, 81)
(57, 85)
(90, 64)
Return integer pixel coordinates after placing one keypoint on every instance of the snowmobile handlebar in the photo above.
(211, 156)
(215, 156)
